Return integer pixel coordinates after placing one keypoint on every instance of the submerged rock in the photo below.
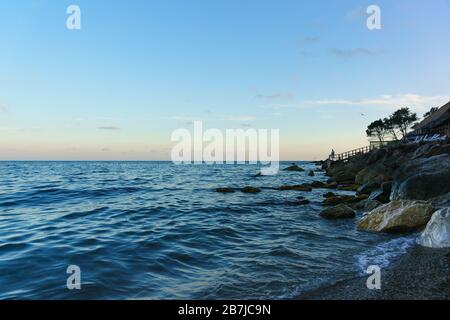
(340, 211)
(397, 216)
(317, 184)
(250, 190)
(437, 232)
(329, 195)
(311, 173)
(295, 188)
(225, 190)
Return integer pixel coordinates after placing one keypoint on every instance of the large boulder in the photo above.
(397, 216)
(422, 179)
(374, 173)
(437, 150)
(376, 156)
(345, 172)
(437, 232)
(338, 212)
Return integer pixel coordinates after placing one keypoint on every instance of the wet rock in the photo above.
(250, 190)
(225, 190)
(295, 188)
(369, 187)
(437, 232)
(422, 179)
(317, 184)
(311, 173)
(397, 216)
(294, 168)
(340, 211)
(383, 194)
(367, 205)
(329, 195)
(332, 201)
(348, 187)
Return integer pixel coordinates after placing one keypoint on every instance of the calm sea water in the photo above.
(154, 230)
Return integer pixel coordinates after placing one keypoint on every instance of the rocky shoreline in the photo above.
(398, 189)
(408, 189)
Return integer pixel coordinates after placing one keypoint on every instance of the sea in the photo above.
(157, 230)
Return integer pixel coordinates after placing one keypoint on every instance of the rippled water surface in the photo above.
(156, 230)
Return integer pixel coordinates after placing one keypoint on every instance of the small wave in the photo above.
(383, 254)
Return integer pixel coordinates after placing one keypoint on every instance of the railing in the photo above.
(349, 154)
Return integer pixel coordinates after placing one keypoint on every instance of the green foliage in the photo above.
(377, 129)
(397, 123)
(429, 113)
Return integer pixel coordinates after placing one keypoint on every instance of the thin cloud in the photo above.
(276, 96)
(394, 101)
(311, 40)
(112, 128)
(238, 118)
(350, 53)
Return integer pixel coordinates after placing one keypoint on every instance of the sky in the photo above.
(137, 70)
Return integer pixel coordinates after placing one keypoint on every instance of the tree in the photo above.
(377, 129)
(429, 113)
(390, 128)
(402, 120)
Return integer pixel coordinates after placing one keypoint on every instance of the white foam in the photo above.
(383, 254)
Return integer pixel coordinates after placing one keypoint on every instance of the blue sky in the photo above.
(137, 70)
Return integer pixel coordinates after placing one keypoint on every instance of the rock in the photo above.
(338, 212)
(332, 185)
(301, 202)
(225, 190)
(348, 187)
(311, 173)
(329, 195)
(367, 205)
(437, 232)
(376, 156)
(374, 173)
(442, 201)
(437, 150)
(356, 199)
(397, 216)
(250, 190)
(345, 172)
(422, 179)
(383, 194)
(422, 150)
(369, 187)
(332, 201)
(295, 188)
(294, 168)
(317, 184)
